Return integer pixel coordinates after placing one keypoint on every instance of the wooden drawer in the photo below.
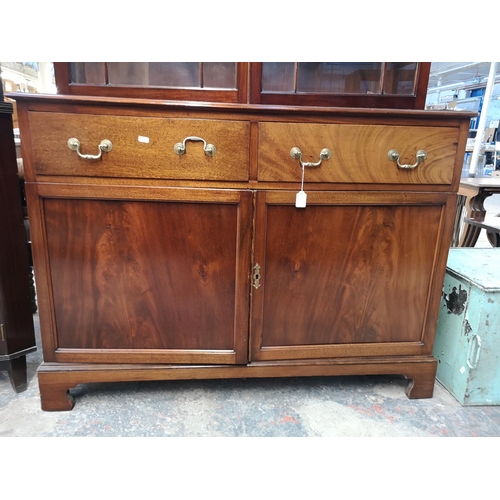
(359, 153)
(130, 156)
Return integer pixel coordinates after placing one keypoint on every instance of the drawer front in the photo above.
(141, 147)
(359, 153)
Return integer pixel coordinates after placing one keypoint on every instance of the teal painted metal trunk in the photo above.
(467, 343)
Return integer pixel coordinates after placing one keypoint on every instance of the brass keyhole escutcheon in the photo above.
(256, 276)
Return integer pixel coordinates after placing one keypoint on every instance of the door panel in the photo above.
(148, 275)
(343, 272)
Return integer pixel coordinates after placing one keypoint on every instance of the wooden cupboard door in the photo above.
(163, 281)
(352, 274)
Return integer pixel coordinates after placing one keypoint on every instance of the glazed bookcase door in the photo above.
(349, 275)
(355, 84)
(189, 81)
(163, 280)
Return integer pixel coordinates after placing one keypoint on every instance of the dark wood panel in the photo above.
(150, 107)
(346, 100)
(121, 356)
(424, 71)
(16, 319)
(53, 183)
(344, 274)
(143, 275)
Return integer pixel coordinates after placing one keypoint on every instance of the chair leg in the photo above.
(471, 236)
(496, 239)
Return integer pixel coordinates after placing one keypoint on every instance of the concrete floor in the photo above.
(321, 406)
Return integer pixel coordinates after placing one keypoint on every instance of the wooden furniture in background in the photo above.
(169, 257)
(475, 192)
(17, 336)
(490, 224)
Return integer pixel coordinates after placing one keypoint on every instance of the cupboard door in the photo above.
(148, 281)
(352, 274)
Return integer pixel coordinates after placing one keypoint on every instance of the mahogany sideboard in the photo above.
(167, 242)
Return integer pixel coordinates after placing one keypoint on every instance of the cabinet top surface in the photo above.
(477, 266)
(230, 107)
(481, 182)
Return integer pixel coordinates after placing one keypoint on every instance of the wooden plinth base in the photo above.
(55, 379)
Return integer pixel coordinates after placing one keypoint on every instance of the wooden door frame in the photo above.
(37, 193)
(424, 346)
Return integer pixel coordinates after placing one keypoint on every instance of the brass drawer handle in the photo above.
(105, 145)
(180, 147)
(393, 155)
(296, 153)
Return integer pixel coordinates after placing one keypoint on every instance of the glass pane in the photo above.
(128, 73)
(88, 72)
(219, 75)
(174, 74)
(400, 78)
(216, 75)
(340, 77)
(154, 74)
(278, 77)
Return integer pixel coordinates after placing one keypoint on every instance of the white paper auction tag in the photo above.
(301, 199)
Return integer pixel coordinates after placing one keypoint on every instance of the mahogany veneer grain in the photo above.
(147, 274)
